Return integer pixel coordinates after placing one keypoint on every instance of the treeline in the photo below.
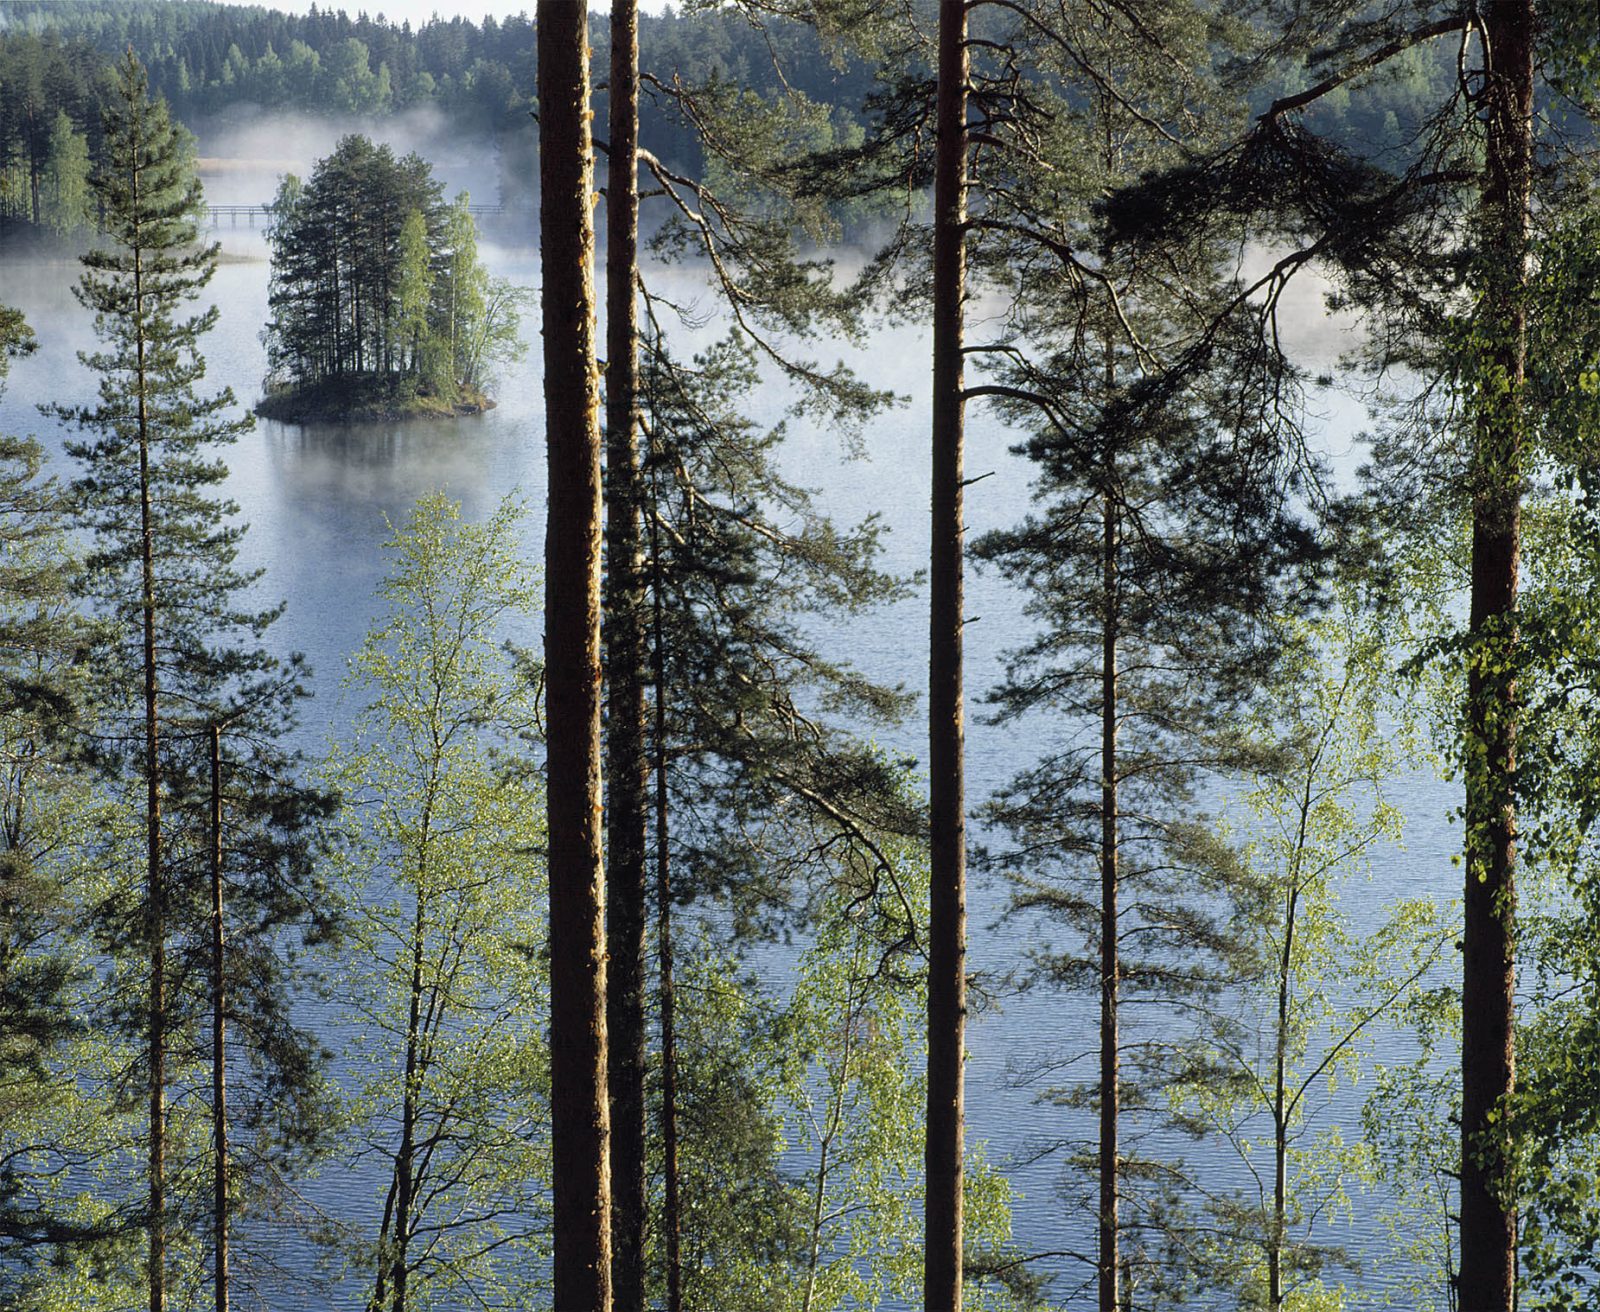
(206, 58)
(50, 96)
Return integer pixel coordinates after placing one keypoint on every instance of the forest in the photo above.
(209, 59)
(604, 952)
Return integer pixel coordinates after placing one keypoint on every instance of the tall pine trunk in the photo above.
(219, 1069)
(1110, 957)
(580, 1115)
(947, 927)
(626, 771)
(1488, 1217)
(155, 901)
(671, 1214)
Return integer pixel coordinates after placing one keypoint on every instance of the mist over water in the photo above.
(245, 149)
(319, 500)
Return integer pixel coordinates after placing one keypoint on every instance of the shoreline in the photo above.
(316, 406)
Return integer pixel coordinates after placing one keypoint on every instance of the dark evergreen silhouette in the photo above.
(378, 299)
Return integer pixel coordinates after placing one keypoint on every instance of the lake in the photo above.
(318, 501)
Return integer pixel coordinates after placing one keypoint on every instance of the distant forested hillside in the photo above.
(207, 59)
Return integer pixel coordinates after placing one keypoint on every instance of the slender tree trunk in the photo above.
(671, 1217)
(385, 352)
(627, 774)
(1488, 1218)
(155, 899)
(219, 1070)
(819, 1195)
(947, 927)
(1110, 957)
(336, 322)
(1280, 1078)
(580, 1114)
(393, 1247)
(33, 169)
(672, 1209)
(397, 1258)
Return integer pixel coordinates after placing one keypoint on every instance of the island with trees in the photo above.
(380, 306)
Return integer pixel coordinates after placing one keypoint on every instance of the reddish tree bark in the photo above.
(947, 928)
(627, 773)
(579, 1111)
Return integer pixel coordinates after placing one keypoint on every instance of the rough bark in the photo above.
(671, 1212)
(219, 1069)
(627, 774)
(1110, 962)
(946, 746)
(1487, 1281)
(580, 1115)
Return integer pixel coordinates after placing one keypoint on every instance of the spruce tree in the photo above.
(182, 653)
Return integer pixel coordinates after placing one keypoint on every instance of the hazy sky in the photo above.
(419, 11)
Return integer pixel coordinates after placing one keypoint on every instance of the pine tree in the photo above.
(1451, 303)
(626, 765)
(747, 230)
(1500, 454)
(377, 291)
(582, 1192)
(947, 923)
(760, 796)
(1161, 536)
(162, 574)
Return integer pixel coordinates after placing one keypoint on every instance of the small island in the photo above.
(381, 308)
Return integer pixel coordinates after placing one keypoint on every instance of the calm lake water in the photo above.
(318, 499)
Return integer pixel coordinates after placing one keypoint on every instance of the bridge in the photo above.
(250, 213)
